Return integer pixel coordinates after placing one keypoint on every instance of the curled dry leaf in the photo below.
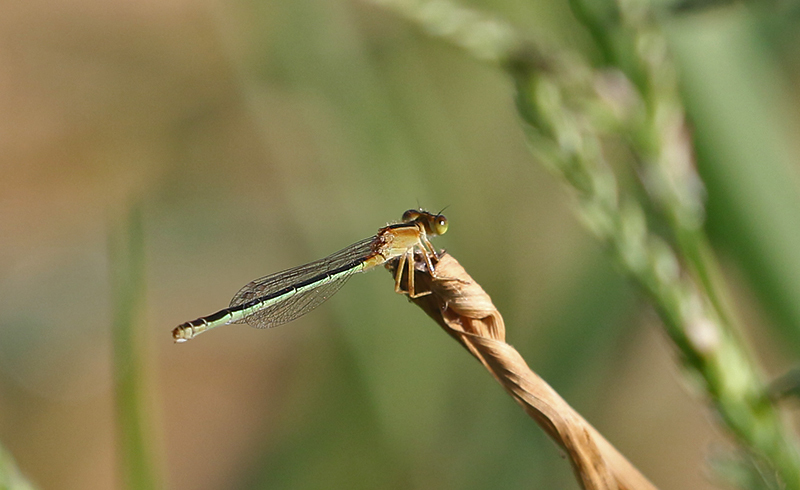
(467, 313)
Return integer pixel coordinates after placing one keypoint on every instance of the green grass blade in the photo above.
(746, 157)
(137, 468)
(10, 476)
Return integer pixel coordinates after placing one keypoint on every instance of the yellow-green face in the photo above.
(435, 224)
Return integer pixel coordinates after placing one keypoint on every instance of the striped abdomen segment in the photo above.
(261, 306)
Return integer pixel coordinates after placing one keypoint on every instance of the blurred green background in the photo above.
(255, 136)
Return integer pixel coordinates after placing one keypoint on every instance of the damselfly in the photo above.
(284, 296)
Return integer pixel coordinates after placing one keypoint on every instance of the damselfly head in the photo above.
(435, 224)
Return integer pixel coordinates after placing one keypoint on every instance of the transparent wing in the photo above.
(294, 307)
(299, 303)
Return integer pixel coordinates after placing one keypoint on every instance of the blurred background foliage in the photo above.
(255, 136)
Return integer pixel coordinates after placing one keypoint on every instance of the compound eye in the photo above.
(411, 215)
(439, 224)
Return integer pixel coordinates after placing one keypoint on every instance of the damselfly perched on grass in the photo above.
(284, 296)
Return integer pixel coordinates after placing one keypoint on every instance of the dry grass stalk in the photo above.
(467, 313)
